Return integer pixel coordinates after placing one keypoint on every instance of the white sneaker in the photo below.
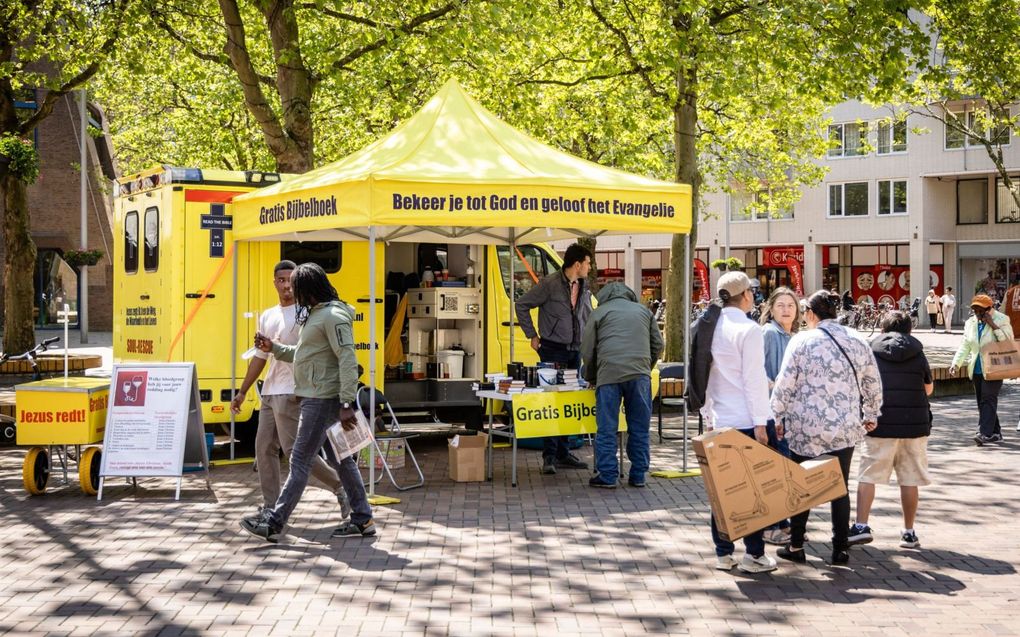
(1018, 426)
(762, 564)
(725, 562)
(778, 537)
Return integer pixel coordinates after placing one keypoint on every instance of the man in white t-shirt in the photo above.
(278, 416)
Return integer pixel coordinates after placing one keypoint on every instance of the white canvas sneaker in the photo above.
(725, 562)
(762, 564)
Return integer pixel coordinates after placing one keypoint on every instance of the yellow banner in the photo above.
(556, 413)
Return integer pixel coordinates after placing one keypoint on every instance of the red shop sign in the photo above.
(777, 257)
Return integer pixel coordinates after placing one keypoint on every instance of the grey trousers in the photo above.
(278, 425)
(318, 415)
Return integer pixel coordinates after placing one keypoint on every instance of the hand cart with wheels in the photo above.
(62, 420)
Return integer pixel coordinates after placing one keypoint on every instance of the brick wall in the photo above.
(54, 205)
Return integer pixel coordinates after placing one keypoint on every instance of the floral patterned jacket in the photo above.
(816, 396)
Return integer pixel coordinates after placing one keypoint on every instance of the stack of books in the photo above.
(567, 380)
(510, 386)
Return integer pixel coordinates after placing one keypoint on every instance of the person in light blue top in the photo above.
(780, 320)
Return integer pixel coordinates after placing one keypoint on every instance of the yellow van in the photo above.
(173, 295)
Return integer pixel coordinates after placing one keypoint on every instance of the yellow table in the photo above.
(543, 414)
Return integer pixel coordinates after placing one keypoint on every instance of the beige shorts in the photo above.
(908, 456)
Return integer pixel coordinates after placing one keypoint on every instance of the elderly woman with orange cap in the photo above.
(985, 326)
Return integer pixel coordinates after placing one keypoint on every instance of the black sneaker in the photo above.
(599, 483)
(549, 467)
(260, 527)
(640, 484)
(982, 439)
(840, 558)
(909, 540)
(859, 534)
(345, 504)
(352, 529)
(787, 553)
(570, 461)
(996, 437)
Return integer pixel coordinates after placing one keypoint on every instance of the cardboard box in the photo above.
(750, 486)
(392, 450)
(467, 458)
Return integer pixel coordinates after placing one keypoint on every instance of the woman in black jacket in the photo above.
(900, 441)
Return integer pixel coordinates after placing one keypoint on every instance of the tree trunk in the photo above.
(685, 124)
(19, 267)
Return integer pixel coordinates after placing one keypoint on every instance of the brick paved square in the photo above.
(550, 557)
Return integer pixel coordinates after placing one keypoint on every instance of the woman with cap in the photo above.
(987, 325)
(827, 397)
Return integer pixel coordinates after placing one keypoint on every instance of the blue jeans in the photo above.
(637, 402)
(754, 543)
(556, 447)
(318, 415)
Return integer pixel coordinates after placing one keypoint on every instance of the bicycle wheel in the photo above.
(35, 472)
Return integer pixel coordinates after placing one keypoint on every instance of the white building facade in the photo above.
(904, 206)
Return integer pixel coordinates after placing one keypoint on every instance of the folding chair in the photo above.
(391, 432)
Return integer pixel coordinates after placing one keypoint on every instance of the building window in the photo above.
(848, 140)
(327, 254)
(971, 201)
(745, 206)
(131, 242)
(892, 197)
(957, 139)
(1006, 210)
(151, 255)
(892, 137)
(848, 200)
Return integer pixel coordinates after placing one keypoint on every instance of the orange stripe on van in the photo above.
(201, 300)
(211, 196)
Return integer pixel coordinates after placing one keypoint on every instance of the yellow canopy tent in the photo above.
(456, 173)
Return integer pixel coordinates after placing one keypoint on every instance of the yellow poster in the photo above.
(556, 413)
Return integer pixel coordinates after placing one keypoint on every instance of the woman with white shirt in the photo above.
(828, 396)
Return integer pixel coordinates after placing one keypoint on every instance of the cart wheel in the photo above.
(36, 471)
(88, 470)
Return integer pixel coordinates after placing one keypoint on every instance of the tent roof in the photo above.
(454, 172)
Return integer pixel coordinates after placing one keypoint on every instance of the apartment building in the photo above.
(904, 206)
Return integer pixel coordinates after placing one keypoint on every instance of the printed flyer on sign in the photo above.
(147, 420)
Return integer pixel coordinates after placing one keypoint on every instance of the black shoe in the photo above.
(996, 437)
(599, 483)
(640, 484)
(570, 461)
(549, 466)
(353, 529)
(839, 558)
(982, 439)
(260, 527)
(787, 553)
(859, 534)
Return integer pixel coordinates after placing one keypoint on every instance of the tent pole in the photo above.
(233, 349)
(371, 358)
(512, 255)
(687, 332)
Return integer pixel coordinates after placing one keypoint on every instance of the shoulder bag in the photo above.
(860, 393)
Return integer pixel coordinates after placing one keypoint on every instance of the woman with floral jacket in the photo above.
(828, 395)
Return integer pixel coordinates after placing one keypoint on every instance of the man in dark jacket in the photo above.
(900, 441)
(620, 346)
(564, 304)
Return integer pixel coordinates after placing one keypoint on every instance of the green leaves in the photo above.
(18, 157)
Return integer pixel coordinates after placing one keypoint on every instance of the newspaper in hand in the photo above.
(348, 443)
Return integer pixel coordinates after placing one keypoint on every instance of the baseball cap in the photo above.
(731, 284)
(982, 300)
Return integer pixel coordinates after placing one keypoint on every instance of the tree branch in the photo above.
(340, 15)
(582, 80)
(628, 51)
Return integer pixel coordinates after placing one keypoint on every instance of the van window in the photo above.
(327, 254)
(531, 263)
(433, 256)
(151, 258)
(131, 242)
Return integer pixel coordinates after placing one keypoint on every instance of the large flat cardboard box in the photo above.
(750, 486)
(467, 458)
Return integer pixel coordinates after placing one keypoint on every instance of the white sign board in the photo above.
(153, 422)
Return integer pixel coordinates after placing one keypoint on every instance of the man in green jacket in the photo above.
(619, 348)
(326, 381)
